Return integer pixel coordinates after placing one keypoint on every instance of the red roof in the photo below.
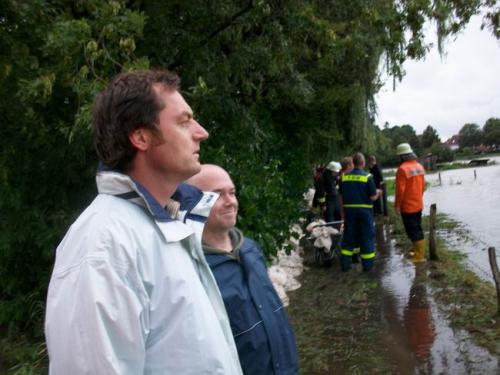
(453, 141)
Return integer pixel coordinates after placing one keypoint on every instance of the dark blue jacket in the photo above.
(263, 335)
(356, 188)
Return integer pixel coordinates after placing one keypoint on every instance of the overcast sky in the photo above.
(447, 92)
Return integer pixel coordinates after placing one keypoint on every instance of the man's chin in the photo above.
(228, 224)
(193, 171)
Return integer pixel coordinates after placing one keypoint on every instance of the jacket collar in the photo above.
(357, 171)
(194, 204)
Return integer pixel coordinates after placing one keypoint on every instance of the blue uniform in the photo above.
(263, 335)
(356, 188)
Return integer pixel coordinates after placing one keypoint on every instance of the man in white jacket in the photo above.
(131, 292)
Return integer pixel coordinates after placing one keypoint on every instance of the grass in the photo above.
(389, 173)
(459, 165)
(476, 156)
(22, 355)
(336, 318)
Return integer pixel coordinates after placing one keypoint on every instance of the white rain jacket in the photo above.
(131, 292)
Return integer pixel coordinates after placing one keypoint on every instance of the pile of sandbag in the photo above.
(308, 198)
(286, 267)
(321, 234)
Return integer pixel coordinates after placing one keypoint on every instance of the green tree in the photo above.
(470, 135)
(54, 58)
(400, 134)
(443, 153)
(408, 133)
(491, 132)
(429, 137)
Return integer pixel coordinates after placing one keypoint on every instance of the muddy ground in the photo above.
(390, 321)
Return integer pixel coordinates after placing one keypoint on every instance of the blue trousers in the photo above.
(333, 211)
(358, 231)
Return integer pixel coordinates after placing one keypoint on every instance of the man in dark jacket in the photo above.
(378, 178)
(263, 334)
(329, 192)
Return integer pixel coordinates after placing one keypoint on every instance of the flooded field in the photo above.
(384, 322)
(470, 196)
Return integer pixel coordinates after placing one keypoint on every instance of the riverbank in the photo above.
(361, 323)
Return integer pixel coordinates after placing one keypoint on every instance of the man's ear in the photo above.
(140, 138)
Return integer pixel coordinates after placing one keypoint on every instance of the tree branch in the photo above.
(227, 24)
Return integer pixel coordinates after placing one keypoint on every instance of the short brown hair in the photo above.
(128, 103)
(358, 159)
(346, 161)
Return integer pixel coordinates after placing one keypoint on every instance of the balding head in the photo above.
(208, 177)
(225, 210)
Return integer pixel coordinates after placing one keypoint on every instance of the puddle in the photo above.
(419, 337)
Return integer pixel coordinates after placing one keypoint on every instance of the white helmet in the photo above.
(334, 166)
(404, 148)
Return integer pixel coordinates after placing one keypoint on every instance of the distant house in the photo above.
(452, 143)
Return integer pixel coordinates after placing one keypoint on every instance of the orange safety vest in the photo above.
(410, 186)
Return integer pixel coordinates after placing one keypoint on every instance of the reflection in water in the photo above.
(418, 317)
(419, 338)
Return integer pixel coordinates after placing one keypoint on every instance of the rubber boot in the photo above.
(418, 253)
(367, 265)
(345, 262)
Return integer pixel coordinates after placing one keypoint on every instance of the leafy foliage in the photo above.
(429, 137)
(491, 132)
(443, 153)
(470, 135)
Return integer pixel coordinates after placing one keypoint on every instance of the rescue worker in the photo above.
(346, 167)
(318, 192)
(346, 164)
(358, 193)
(410, 186)
(376, 172)
(329, 192)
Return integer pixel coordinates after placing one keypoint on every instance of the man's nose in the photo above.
(230, 200)
(199, 133)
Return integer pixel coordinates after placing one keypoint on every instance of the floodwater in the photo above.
(470, 196)
(385, 322)
(419, 337)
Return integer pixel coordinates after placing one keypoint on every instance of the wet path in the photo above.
(384, 322)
